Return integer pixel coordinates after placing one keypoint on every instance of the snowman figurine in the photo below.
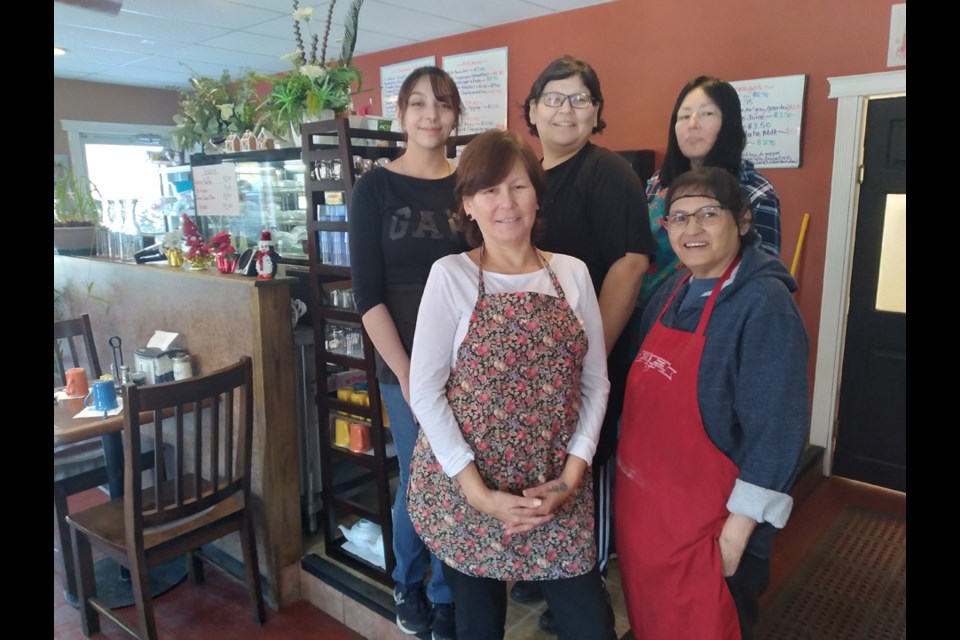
(266, 257)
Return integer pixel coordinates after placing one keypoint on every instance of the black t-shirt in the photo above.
(596, 210)
(399, 226)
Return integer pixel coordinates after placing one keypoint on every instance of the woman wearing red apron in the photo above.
(715, 420)
(508, 380)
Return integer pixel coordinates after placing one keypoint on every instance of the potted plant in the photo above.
(215, 108)
(316, 88)
(76, 211)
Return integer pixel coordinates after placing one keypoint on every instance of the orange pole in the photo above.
(803, 234)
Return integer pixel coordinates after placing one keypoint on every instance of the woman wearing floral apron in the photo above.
(508, 381)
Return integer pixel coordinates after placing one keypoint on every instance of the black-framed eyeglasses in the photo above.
(577, 100)
(706, 217)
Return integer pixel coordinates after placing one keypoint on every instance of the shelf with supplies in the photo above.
(334, 156)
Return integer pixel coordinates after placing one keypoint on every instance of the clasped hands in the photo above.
(522, 513)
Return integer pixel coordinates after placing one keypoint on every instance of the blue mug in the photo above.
(103, 395)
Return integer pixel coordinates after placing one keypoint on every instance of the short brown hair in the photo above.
(485, 162)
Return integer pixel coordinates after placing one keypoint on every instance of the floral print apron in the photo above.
(515, 392)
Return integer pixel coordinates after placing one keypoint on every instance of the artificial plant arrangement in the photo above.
(76, 200)
(198, 252)
(215, 108)
(315, 84)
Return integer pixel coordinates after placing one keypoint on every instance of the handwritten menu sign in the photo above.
(391, 79)
(772, 115)
(481, 78)
(215, 190)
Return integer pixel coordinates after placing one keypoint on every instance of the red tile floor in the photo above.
(219, 609)
(216, 610)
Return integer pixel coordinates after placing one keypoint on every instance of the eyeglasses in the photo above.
(706, 217)
(577, 100)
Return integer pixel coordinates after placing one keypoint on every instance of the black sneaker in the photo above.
(526, 592)
(444, 622)
(413, 613)
(547, 622)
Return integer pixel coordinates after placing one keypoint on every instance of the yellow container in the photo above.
(342, 433)
(360, 398)
(344, 394)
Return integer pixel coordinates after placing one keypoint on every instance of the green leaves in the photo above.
(214, 108)
(350, 25)
(75, 199)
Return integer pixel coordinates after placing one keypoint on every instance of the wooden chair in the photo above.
(205, 496)
(76, 467)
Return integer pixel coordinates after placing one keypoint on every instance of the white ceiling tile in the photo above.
(149, 38)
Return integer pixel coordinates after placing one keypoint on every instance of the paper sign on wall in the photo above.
(481, 79)
(391, 79)
(215, 190)
(772, 117)
(897, 46)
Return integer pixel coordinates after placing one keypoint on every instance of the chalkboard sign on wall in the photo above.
(772, 117)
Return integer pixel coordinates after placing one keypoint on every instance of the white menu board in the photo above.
(215, 190)
(481, 78)
(772, 115)
(391, 79)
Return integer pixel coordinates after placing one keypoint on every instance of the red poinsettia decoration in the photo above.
(193, 239)
(221, 245)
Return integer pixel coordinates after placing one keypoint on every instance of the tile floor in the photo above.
(219, 609)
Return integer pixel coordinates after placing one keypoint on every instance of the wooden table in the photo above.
(68, 430)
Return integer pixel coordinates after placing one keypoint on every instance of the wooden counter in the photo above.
(219, 318)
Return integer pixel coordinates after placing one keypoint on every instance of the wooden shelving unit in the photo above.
(354, 485)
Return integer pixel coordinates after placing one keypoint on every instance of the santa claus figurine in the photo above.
(266, 258)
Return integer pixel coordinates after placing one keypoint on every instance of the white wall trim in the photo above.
(851, 93)
(74, 129)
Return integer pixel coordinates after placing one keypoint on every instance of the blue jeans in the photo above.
(411, 554)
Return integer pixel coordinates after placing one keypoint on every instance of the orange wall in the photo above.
(644, 52)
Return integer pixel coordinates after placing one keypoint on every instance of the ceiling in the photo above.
(161, 43)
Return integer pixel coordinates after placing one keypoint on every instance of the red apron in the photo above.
(671, 493)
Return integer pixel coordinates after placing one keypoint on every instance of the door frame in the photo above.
(852, 94)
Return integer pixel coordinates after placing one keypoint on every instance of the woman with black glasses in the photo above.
(715, 419)
(596, 210)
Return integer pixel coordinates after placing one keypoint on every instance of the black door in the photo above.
(872, 423)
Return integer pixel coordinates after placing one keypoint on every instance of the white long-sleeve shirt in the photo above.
(445, 309)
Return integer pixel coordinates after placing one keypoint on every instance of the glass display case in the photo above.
(268, 196)
(176, 197)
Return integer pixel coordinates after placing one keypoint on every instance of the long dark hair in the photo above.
(485, 162)
(731, 140)
(444, 89)
(560, 69)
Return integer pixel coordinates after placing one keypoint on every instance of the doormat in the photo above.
(852, 585)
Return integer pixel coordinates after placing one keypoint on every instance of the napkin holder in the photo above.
(156, 364)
